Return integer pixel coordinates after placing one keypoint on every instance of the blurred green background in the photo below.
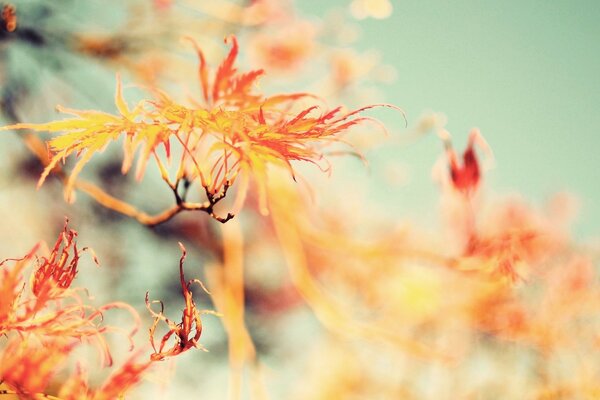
(527, 73)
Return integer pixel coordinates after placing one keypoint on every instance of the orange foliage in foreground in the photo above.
(43, 320)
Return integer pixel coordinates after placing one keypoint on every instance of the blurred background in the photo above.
(524, 72)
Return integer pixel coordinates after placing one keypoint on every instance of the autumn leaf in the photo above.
(49, 307)
(186, 333)
(232, 132)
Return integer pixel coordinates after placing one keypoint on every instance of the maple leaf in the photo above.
(191, 323)
(246, 133)
(51, 308)
(232, 132)
(465, 178)
(57, 271)
(85, 135)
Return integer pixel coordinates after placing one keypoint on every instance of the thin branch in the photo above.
(37, 147)
(127, 209)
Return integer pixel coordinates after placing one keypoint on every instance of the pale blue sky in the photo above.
(526, 72)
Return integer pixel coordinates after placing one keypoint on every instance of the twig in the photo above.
(37, 147)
